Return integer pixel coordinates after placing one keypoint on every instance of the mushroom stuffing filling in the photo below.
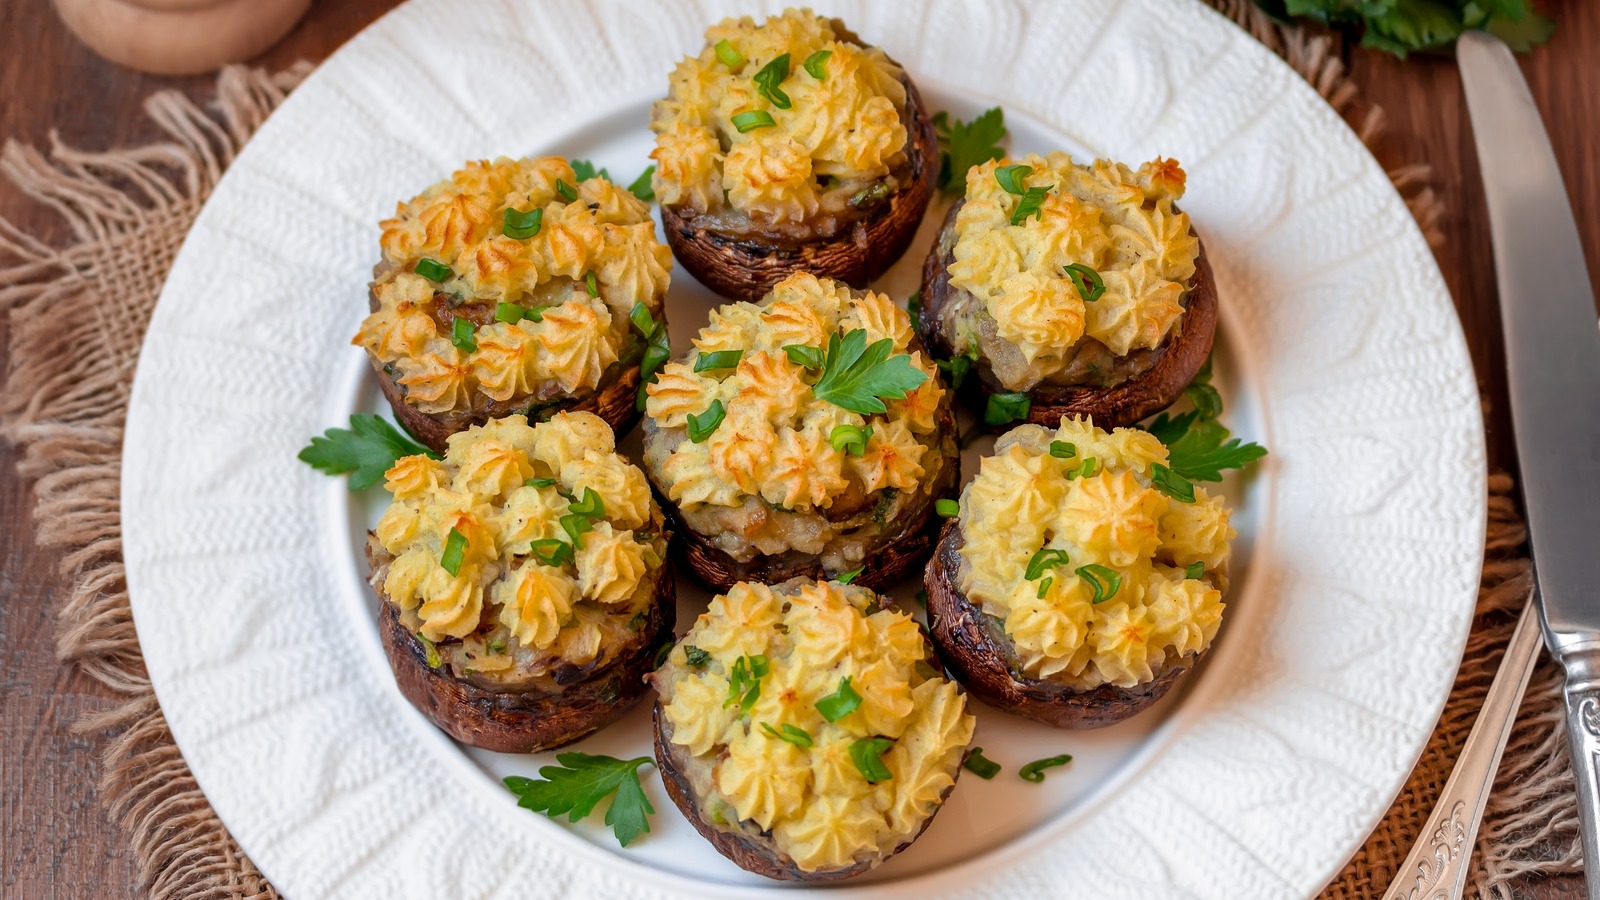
(789, 130)
(524, 553)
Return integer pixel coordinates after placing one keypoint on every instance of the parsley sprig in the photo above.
(1401, 26)
(1199, 448)
(963, 145)
(859, 377)
(576, 786)
(367, 449)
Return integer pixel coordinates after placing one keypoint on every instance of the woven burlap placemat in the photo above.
(78, 312)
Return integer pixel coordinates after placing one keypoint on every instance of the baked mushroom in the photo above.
(1069, 290)
(804, 435)
(514, 287)
(1082, 578)
(524, 583)
(804, 731)
(790, 146)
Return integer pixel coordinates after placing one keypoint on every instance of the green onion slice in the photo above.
(850, 439)
(1171, 483)
(1046, 558)
(701, 426)
(842, 702)
(1030, 206)
(540, 482)
(947, 508)
(643, 187)
(867, 754)
(817, 64)
(663, 653)
(464, 335)
(771, 75)
(431, 269)
(509, 313)
(957, 367)
(591, 284)
(1034, 771)
(655, 355)
(803, 356)
(1011, 177)
(642, 320)
(730, 57)
(522, 225)
(796, 736)
(1105, 581)
(1003, 408)
(749, 121)
(1044, 587)
(1088, 282)
(591, 505)
(1063, 449)
(567, 191)
(455, 547)
(850, 576)
(1194, 570)
(744, 681)
(551, 551)
(717, 359)
(980, 765)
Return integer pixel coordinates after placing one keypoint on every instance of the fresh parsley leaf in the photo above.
(744, 681)
(1003, 408)
(967, 144)
(1201, 451)
(367, 449)
(585, 170)
(859, 377)
(796, 736)
(1403, 26)
(576, 786)
(840, 703)
(867, 754)
(696, 656)
(642, 187)
(980, 765)
(1012, 177)
(1171, 483)
(1034, 771)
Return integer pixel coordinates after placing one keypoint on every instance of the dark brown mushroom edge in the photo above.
(516, 287)
(790, 146)
(804, 436)
(523, 582)
(1072, 589)
(1086, 294)
(840, 743)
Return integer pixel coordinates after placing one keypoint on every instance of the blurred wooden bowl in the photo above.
(179, 37)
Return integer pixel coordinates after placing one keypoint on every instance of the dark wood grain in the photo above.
(57, 839)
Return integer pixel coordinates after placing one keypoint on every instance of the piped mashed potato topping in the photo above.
(772, 453)
(841, 134)
(1025, 500)
(569, 337)
(526, 592)
(1118, 222)
(816, 803)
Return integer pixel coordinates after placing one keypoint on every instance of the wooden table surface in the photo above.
(56, 837)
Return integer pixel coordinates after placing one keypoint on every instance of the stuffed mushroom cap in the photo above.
(789, 145)
(1083, 286)
(526, 567)
(804, 435)
(510, 287)
(758, 750)
(1082, 576)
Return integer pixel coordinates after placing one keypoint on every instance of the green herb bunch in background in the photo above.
(1402, 26)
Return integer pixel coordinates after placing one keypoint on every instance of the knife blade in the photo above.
(1553, 369)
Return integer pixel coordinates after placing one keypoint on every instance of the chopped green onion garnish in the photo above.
(509, 313)
(796, 736)
(803, 356)
(771, 75)
(980, 765)
(701, 426)
(1030, 204)
(455, 546)
(1088, 282)
(591, 284)
(585, 170)
(642, 320)
(717, 359)
(1171, 483)
(914, 305)
(1089, 468)
(431, 652)
(432, 270)
(817, 64)
(591, 505)
(655, 355)
(663, 653)
(551, 551)
(567, 191)
(729, 56)
(1047, 558)
(850, 576)
(1063, 449)
(1003, 408)
(747, 122)
(522, 225)
(1044, 587)
(744, 681)
(642, 187)
(1010, 178)
(1105, 581)
(947, 508)
(540, 482)
(867, 754)
(464, 335)
(840, 703)
(575, 524)
(1194, 570)
(696, 656)
(1034, 771)
(535, 313)
(957, 367)
(849, 439)
(869, 197)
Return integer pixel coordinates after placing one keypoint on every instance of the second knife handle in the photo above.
(1583, 737)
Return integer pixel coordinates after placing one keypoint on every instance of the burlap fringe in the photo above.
(76, 331)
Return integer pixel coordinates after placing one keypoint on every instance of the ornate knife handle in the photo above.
(1436, 868)
(1583, 738)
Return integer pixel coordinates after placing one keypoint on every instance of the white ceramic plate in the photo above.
(1360, 535)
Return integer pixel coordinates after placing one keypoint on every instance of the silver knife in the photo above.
(1553, 362)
